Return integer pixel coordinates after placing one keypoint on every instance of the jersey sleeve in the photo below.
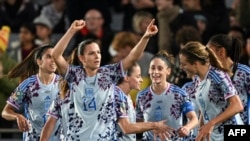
(227, 87)
(115, 71)
(247, 82)
(72, 73)
(187, 106)
(20, 94)
(54, 110)
(121, 104)
(138, 107)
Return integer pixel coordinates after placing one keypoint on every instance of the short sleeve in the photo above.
(20, 94)
(121, 103)
(138, 107)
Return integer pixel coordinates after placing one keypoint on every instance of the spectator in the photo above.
(77, 8)
(218, 18)
(19, 49)
(194, 15)
(139, 22)
(130, 7)
(242, 9)
(15, 13)
(245, 59)
(56, 14)
(43, 30)
(167, 12)
(96, 30)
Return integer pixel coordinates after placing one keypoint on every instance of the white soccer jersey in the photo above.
(35, 99)
(189, 87)
(170, 106)
(62, 109)
(91, 112)
(211, 95)
(124, 109)
(241, 81)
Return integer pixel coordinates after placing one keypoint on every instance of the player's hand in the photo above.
(183, 131)
(22, 123)
(163, 130)
(77, 25)
(151, 29)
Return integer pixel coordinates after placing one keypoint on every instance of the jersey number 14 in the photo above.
(89, 105)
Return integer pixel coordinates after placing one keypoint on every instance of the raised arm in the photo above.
(137, 51)
(61, 45)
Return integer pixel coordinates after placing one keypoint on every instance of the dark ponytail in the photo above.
(233, 47)
(28, 66)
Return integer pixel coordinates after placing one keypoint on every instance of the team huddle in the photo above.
(77, 99)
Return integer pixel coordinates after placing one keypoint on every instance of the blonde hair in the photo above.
(195, 51)
(137, 19)
(123, 39)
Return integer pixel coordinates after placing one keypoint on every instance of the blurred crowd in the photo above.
(117, 25)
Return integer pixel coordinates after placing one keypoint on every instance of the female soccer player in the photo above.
(228, 51)
(34, 94)
(164, 101)
(214, 92)
(91, 91)
(125, 108)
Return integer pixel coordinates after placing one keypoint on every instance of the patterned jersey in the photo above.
(189, 87)
(89, 109)
(241, 81)
(62, 109)
(124, 109)
(170, 106)
(211, 95)
(35, 98)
